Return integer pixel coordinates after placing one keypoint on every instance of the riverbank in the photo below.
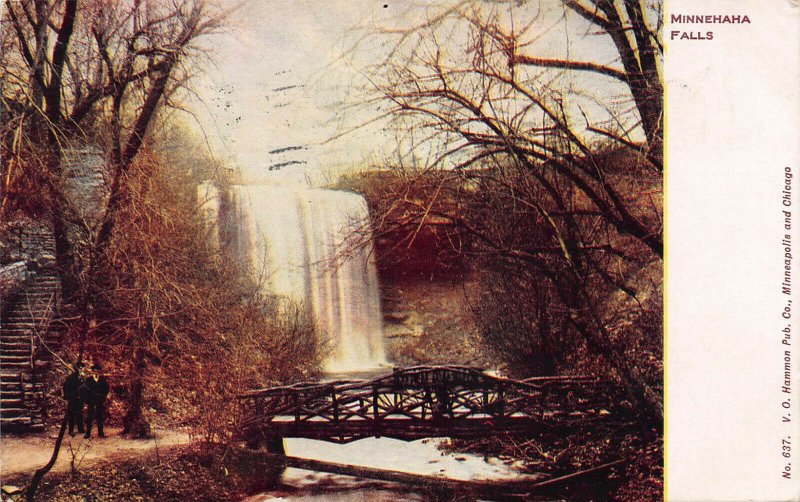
(174, 472)
(170, 467)
(203, 472)
(26, 453)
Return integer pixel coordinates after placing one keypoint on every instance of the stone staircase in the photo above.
(26, 339)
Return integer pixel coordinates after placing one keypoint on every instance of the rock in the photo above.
(400, 324)
(395, 317)
(11, 490)
(45, 261)
(393, 330)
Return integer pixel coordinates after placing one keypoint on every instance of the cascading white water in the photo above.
(298, 242)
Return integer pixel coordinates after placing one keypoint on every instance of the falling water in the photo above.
(313, 246)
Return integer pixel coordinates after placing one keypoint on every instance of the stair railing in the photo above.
(22, 389)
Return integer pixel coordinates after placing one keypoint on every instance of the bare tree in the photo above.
(75, 70)
(170, 301)
(550, 165)
(90, 72)
(87, 72)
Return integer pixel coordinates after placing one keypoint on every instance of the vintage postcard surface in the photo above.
(400, 249)
(732, 154)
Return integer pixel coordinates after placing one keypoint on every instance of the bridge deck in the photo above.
(419, 402)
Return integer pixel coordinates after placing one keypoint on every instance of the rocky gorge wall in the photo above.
(26, 246)
(26, 243)
(432, 322)
(426, 282)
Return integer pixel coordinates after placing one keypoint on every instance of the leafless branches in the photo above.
(543, 168)
(89, 72)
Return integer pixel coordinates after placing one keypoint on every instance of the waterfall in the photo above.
(312, 246)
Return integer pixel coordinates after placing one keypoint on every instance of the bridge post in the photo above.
(429, 401)
(442, 403)
(501, 402)
(335, 406)
(276, 445)
(375, 410)
(253, 442)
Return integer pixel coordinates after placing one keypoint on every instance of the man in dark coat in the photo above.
(72, 395)
(96, 391)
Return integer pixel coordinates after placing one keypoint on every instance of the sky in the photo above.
(283, 88)
(275, 83)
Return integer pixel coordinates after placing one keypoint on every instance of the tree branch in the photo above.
(517, 59)
(53, 89)
(23, 44)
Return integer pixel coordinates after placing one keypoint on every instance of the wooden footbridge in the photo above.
(419, 402)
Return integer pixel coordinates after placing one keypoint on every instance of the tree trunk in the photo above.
(40, 473)
(65, 260)
(632, 378)
(599, 341)
(134, 424)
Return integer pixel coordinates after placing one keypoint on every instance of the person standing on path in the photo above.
(96, 392)
(72, 395)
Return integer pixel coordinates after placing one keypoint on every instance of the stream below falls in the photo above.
(417, 457)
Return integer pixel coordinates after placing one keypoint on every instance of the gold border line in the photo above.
(665, 240)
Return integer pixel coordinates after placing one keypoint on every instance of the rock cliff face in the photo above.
(23, 239)
(30, 241)
(431, 322)
(30, 297)
(426, 282)
(86, 184)
(26, 246)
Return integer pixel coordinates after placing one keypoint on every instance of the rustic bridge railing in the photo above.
(419, 402)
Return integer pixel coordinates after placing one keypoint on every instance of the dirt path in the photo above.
(22, 454)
